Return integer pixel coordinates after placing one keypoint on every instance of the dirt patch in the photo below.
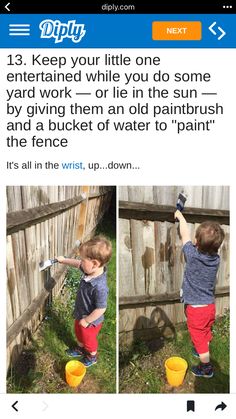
(54, 377)
(89, 385)
(146, 373)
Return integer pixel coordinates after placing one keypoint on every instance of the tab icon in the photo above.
(19, 29)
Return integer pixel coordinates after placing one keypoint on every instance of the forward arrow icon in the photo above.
(222, 32)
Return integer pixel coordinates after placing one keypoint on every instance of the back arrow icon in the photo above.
(14, 406)
(221, 406)
(6, 7)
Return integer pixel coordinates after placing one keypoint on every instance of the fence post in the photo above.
(83, 214)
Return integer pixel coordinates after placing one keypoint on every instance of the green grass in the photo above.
(40, 367)
(142, 370)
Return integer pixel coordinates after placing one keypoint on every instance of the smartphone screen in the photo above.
(113, 117)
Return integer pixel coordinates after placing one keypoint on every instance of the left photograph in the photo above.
(61, 289)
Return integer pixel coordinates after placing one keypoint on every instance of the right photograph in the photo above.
(174, 287)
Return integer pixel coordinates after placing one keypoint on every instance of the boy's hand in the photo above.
(75, 263)
(61, 259)
(184, 230)
(83, 323)
(178, 215)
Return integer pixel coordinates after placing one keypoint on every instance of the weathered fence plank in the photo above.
(125, 259)
(83, 214)
(152, 212)
(19, 220)
(32, 308)
(143, 300)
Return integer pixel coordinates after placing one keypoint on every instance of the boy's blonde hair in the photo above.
(98, 248)
(209, 237)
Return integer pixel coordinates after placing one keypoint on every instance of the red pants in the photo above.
(199, 322)
(88, 336)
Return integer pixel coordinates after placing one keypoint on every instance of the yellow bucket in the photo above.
(75, 372)
(176, 368)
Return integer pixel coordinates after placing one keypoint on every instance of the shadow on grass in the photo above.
(149, 336)
(21, 375)
(59, 368)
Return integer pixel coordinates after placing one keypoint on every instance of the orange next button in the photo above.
(176, 31)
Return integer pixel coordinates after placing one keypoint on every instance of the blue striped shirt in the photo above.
(199, 276)
(91, 294)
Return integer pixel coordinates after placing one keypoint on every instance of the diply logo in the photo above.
(59, 31)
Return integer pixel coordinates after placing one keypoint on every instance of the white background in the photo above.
(165, 159)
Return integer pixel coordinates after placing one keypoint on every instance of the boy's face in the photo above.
(88, 265)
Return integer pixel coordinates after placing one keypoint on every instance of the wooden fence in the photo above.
(43, 222)
(151, 265)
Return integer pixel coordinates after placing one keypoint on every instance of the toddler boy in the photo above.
(91, 299)
(202, 262)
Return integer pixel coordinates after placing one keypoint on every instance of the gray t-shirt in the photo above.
(199, 276)
(91, 294)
